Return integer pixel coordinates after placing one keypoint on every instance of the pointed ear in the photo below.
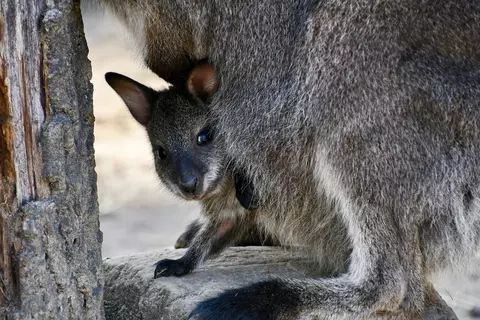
(202, 82)
(137, 97)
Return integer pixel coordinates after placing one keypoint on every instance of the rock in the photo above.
(132, 293)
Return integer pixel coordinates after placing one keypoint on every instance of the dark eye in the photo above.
(161, 153)
(204, 137)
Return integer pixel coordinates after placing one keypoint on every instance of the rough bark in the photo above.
(50, 258)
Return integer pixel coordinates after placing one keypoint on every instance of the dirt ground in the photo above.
(136, 213)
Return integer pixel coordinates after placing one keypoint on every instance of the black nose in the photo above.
(188, 183)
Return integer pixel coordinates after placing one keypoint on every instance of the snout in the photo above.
(188, 184)
(194, 178)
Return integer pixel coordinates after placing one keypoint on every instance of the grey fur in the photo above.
(358, 122)
(173, 119)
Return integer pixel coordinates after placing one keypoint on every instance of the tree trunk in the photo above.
(50, 258)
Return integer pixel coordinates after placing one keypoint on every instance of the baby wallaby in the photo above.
(190, 160)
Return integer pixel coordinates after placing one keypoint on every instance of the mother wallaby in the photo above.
(371, 106)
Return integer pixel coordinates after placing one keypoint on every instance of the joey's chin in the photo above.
(195, 196)
(189, 196)
(198, 196)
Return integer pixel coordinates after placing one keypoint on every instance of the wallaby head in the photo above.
(189, 157)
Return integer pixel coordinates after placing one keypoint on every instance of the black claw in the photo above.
(167, 268)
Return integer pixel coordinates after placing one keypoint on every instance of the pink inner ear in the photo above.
(139, 108)
(136, 101)
(202, 82)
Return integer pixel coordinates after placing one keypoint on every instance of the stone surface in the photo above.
(131, 292)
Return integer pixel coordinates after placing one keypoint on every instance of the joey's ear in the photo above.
(202, 82)
(137, 97)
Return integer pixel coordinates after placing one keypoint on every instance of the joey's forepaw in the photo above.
(268, 300)
(167, 268)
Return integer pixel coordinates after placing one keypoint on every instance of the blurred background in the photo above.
(136, 212)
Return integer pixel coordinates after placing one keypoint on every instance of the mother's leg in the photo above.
(385, 279)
